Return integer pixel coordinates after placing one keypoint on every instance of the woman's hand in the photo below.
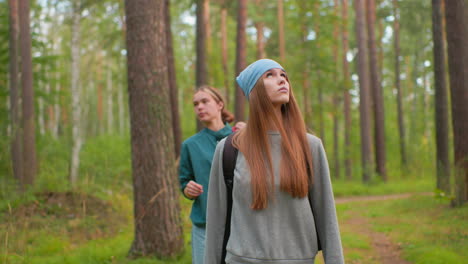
(238, 126)
(193, 190)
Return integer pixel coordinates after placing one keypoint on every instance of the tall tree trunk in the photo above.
(281, 39)
(320, 88)
(401, 123)
(346, 95)
(100, 100)
(224, 51)
(77, 138)
(378, 102)
(441, 105)
(120, 102)
(364, 94)
(241, 54)
(456, 12)
(29, 135)
(158, 227)
(201, 75)
(176, 130)
(336, 99)
(16, 154)
(259, 24)
(57, 113)
(110, 102)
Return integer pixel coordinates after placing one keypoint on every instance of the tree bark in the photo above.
(176, 130)
(259, 25)
(29, 136)
(77, 138)
(336, 99)
(224, 51)
(201, 75)
(441, 105)
(241, 54)
(401, 123)
(376, 87)
(158, 227)
(346, 95)
(281, 39)
(110, 102)
(16, 153)
(364, 90)
(456, 12)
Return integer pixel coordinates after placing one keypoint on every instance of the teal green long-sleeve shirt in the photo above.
(195, 165)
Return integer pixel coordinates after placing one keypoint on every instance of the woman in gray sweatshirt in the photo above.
(282, 199)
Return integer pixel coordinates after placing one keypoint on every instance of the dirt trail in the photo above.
(377, 197)
(383, 249)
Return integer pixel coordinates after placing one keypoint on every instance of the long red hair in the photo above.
(296, 162)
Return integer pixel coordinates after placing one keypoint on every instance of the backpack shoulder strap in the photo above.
(229, 164)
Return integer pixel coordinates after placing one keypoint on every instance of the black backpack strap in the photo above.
(229, 164)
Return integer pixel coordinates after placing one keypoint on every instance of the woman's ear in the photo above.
(221, 105)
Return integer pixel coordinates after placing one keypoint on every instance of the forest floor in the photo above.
(383, 249)
(370, 234)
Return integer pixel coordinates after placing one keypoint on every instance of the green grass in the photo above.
(428, 230)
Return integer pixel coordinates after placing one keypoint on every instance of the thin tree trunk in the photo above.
(378, 102)
(364, 107)
(16, 154)
(100, 101)
(241, 54)
(120, 102)
(281, 39)
(110, 102)
(158, 226)
(57, 113)
(29, 135)
(456, 12)
(201, 75)
(77, 138)
(260, 42)
(401, 123)
(320, 89)
(224, 51)
(346, 95)
(176, 130)
(336, 99)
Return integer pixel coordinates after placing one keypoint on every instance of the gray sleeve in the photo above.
(324, 206)
(216, 209)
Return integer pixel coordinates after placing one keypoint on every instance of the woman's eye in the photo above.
(269, 74)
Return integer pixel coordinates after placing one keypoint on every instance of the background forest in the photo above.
(66, 190)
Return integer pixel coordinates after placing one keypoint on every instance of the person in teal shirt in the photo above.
(195, 159)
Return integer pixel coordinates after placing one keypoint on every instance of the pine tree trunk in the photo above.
(441, 105)
(57, 113)
(260, 41)
(29, 136)
(456, 12)
(336, 99)
(77, 139)
(120, 102)
(241, 55)
(281, 39)
(224, 51)
(16, 153)
(378, 102)
(364, 94)
(201, 74)
(401, 123)
(158, 226)
(346, 95)
(176, 130)
(110, 102)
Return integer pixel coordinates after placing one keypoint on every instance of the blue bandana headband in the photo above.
(250, 75)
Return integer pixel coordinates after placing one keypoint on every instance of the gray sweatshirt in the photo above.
(284, 232)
